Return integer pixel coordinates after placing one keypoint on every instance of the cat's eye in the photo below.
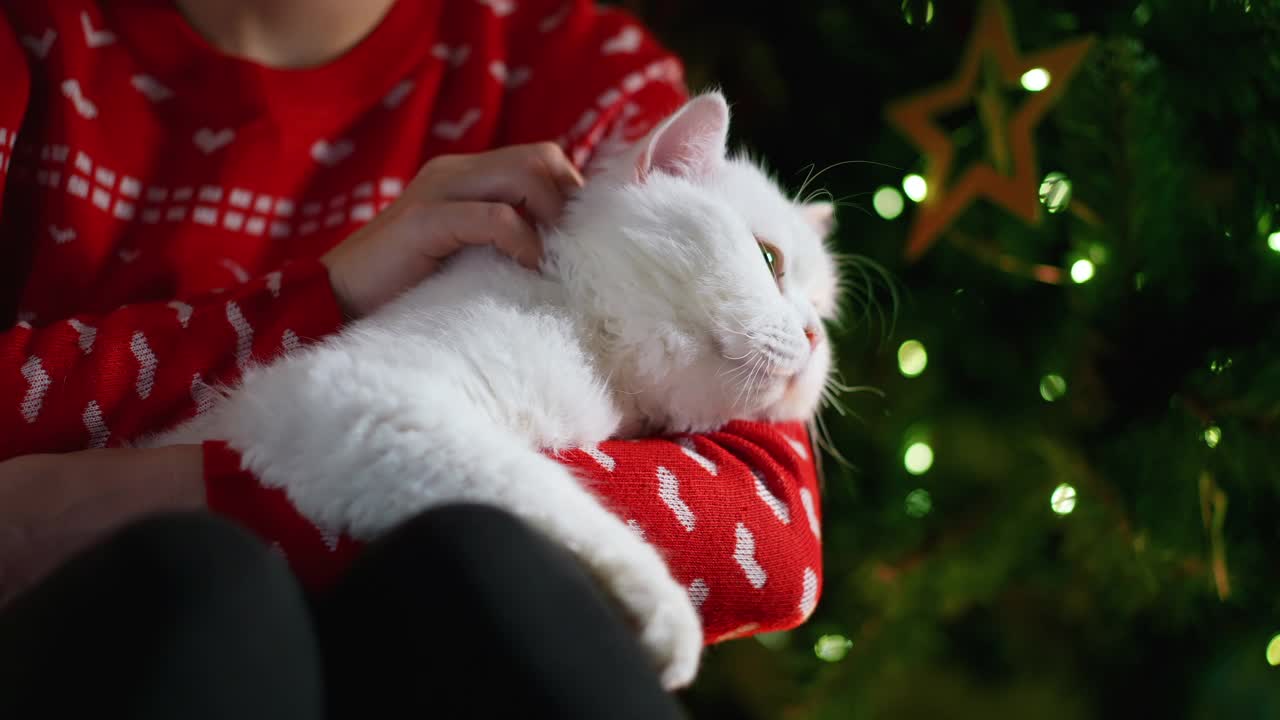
(772, 258)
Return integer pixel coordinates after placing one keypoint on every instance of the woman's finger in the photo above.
(537, 177)
(453, 226)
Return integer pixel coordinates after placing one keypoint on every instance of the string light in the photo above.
(1142, 14)
(832, 648)
(917, 12)
(1035, 79)
(1082, 271)
(1055, 192)
(1063, 499)
(1052, 387)
(915, 187)
(918, 458)
(912, 358)
(918, 503)
(1212, 436)
(887, 202)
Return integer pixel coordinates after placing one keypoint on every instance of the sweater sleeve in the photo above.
(735, 512)
(95, 380)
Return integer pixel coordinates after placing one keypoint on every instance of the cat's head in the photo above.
(706, 284)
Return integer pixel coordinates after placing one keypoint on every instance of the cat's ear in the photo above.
(821, 216)
(690, 143)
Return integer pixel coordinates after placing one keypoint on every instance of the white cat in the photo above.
(681, 290)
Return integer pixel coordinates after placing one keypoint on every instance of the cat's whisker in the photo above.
(807, 178)
(752, 379)
(737, 399)
(757, 379)
(742, 330)
(872, 276)
(819, 192)
(841, 387)
(720, 371)
(746, 389)
(815, 175)
(834, 386)
(838, 404)
(824, 442)
(739, 369)
(829, 400)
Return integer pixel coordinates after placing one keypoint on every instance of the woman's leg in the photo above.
(465, 611)
(176, 616)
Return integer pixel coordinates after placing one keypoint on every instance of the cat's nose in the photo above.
(811, 334)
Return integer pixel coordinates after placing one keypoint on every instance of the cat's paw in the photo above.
(672, 633)
(659, 608)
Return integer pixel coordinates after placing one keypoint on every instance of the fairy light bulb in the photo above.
(1035, 79)
(1063, 499)
(1082, 271)
(912, 358)
(915, 186)
(888, 202)
(918, 458)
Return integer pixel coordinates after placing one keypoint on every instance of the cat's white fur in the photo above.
(654, 311)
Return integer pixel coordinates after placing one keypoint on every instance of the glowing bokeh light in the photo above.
(1035, 79)
(915, 187)
(1055, 192)
(1273, 651)
(911, 12)
(1063, 499)
(888, 202)
(912, 358)
(918, 458)
(1142, 14)
(1052, 387)
(918, 503)
(1212, 436)
(832, 648)
(1273, 241)
(1082, 271)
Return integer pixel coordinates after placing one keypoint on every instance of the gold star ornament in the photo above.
(1008, 177)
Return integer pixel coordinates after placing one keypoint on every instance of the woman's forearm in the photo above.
(52, 506)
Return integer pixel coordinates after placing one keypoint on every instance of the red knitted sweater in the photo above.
(164, 204)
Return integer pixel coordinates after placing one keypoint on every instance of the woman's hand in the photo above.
(53, 506)
(455, 201)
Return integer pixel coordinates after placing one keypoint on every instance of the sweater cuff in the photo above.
(310, 288)
(317, 557)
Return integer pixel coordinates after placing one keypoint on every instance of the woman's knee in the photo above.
(169, 610)
(475, 544)
(187, 548)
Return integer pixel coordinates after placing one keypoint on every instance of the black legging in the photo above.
(463, 612)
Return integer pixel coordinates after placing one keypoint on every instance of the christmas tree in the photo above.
(1062, 499)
